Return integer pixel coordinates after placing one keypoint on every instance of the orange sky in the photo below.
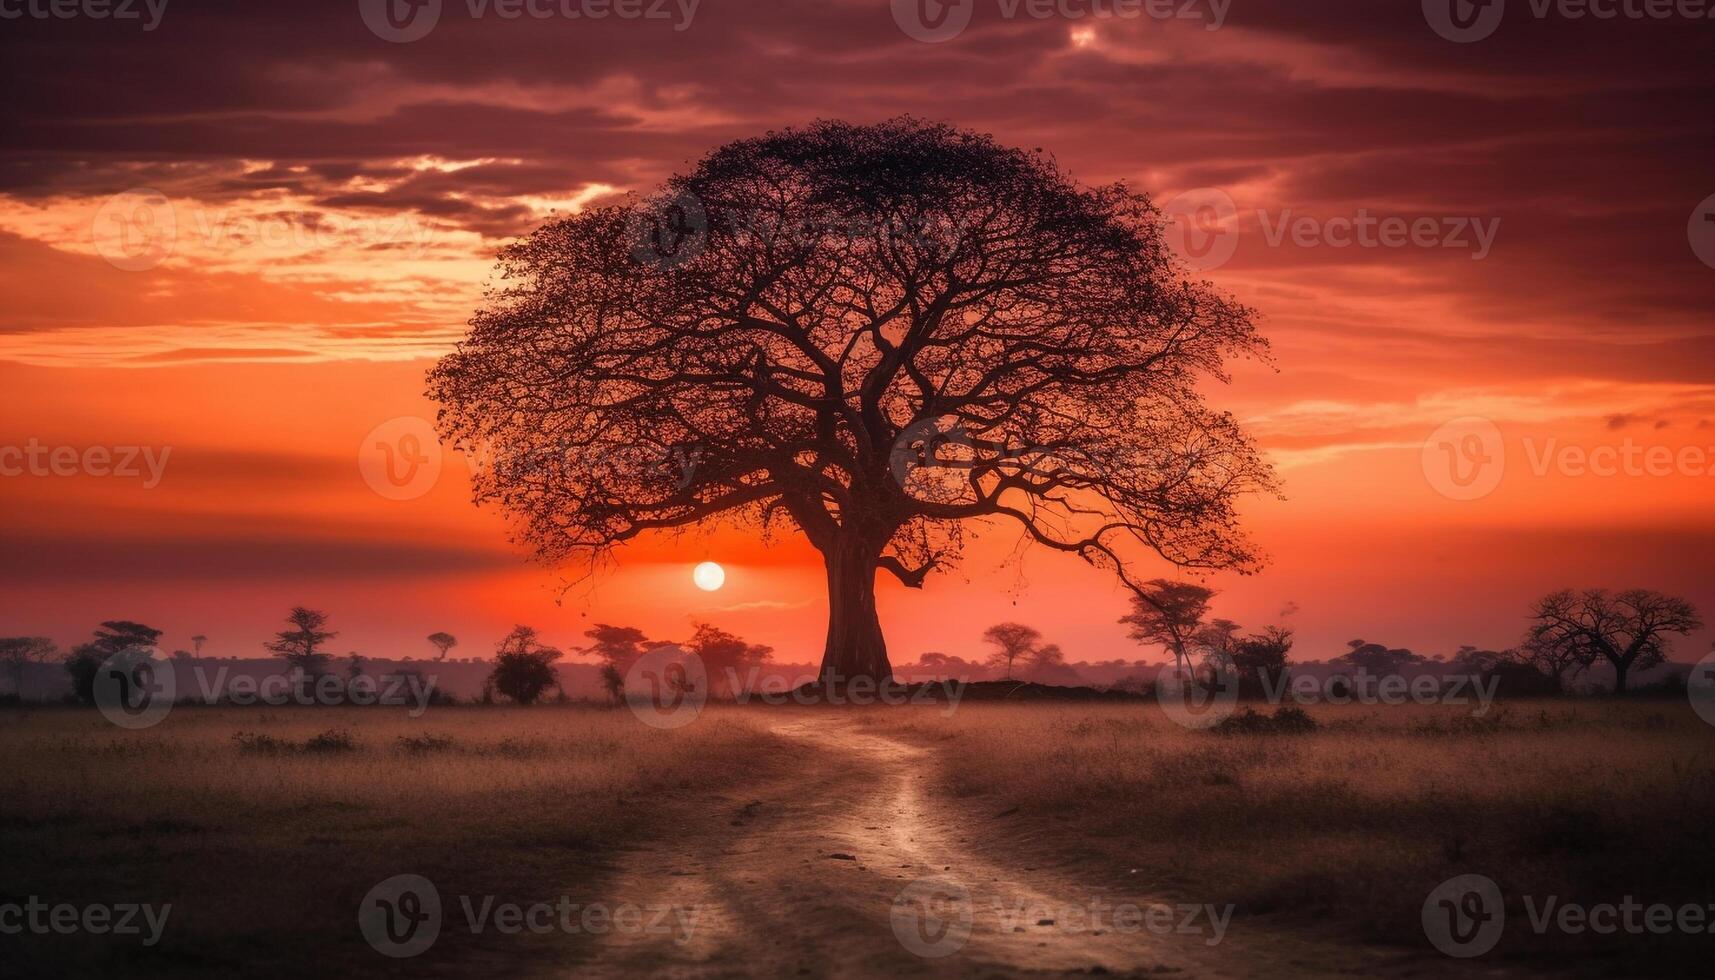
(330, 205)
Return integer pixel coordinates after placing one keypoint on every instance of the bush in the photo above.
(425, 744)
(332, 740)
(251, 743)
(1289, 719)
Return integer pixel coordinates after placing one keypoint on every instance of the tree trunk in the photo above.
(855, 647)
(1620, 668)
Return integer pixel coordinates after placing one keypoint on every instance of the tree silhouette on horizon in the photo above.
(867, 335)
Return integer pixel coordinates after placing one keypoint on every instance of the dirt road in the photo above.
(856, 869)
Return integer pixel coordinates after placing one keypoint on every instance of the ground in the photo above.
(854, 842)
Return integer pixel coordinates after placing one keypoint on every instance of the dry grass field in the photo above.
(1349, 827)
(265, 850)
(265, 827)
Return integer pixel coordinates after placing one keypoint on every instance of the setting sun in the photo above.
(708, 576)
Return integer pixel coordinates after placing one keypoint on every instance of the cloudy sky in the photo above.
(236, 235)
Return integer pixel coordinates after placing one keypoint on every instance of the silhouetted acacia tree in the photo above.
(442, 642)
(725, 656)
(17, 652)
(112, 638)
(301, 646)
(1378, 658)
(523, 667)
(1011, 642)
(1170, 615)
(1260, 659)
(867, 335)
(1629, 629)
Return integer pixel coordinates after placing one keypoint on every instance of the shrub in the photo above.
(425, 744)
(251, 743)
(332, 740)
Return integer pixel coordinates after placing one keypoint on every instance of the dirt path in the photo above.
(809, 882)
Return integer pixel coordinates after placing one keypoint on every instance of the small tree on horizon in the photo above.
(113, 638)
(17, 652)
(1011, 641)
(523, 667)
(1169, 614)
(442, 642)
(301, 647)
(1378, 658)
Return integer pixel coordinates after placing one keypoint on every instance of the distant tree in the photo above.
(1629, 629)
(354, 665)
(1554, 659)
(1011, 641)
(1169, 614)
(196, 643)
(523, 667)
(617, 646)
(1216, 641)
(1262, 656)
(1470, 660)
(443, 642)
(112, 638)
(724, 655)
(301, 646)
(17, 652)
(1376, 658)
(613, 682)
